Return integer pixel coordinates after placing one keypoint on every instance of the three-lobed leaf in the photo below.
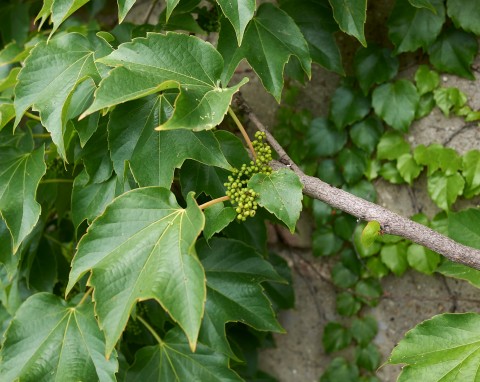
(141, 248)
(49, 337)
(161, 62)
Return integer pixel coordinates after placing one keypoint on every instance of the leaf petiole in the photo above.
(242, 130)
(33, 116)
(150, 329)
(214, 201)
(85, 296)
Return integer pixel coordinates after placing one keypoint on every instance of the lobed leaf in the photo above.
(239, 13)
(465, 15)
(62, 342)
(142, 248)
(351, 16)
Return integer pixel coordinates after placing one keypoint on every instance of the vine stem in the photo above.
(85, 296)
(390, 222)
(214, 201)
(151, 330)
(56, 180)
(45, 135)
(242, 130)
(33, 116)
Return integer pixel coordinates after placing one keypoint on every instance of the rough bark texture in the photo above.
(390, 222)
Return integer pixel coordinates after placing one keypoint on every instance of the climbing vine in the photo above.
(134, 205)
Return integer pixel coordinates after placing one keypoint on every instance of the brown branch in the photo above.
(390, 222)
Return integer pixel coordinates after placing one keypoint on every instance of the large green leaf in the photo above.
(348, 106)
(142, 248)
(172, 61)
(60, 10)
(20, 174)
(51, 340)
(454, 52)
(280, 193)
(46, 84)
(464, 227)
(410, 28)
(323, 139)
(270, 39)
(465, 15)
(396, 103)
(239, 13)
(154, 155)
(460, 271)
(173, 361)
(436, 156)
(234, 272)
(315, 20)
(451, 356)
(351, 16)
(374, 65)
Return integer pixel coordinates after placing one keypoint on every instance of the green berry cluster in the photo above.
(240, 195)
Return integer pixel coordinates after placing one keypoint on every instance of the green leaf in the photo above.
(323, 139)
(270, 39)
(425, 106)
(234, 272)
(376, 268)
(282, 295)
(7, 257)
(343, 277)
(427, 80)
(315, 20)
(325, 242)
(335, 337)
(444, 189)
(408, 168)
(360, 248)
(329, 172)
(368, 357)
(369, 291)
(422, 259)
(374, 65)
(322, 212)
(464, 227)
(430, 357)
(61, 10)
(364, 330)
(352, 163)
(90, 200)
(366, 134)
(340, 370)
(172, 360)
(465, 15)
(423, 4)
(459, 271)
(344, 226)
(171, 4)
(64, 344)
(217, 217)
(363, 189)
(138, 72)
(154, 155)
(392, 146)
(394, 256)
(346, 304)
(131, 252)
(20, 174)
(454, 52)
(239, 13)
(389, 172)
(123, 7)
(448, 99)
(437, 157)
(370, 232)
(280, 193)
(48, 87)
(396, 103)
(351, 16)
(410, 28)
(348, 106)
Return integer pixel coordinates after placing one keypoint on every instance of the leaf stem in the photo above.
(56, 180)
(45, 135)
(150, 329)
(33, 116)
(242, 130)
(85, 296)
(214, 201)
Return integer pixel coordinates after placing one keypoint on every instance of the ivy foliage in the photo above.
(115, 152)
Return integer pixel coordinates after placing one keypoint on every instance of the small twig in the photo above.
(242, 130)
(390, 222)
(32, 116)
(85, 296)
(214, 201)
(150, 329)
(56, 180)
